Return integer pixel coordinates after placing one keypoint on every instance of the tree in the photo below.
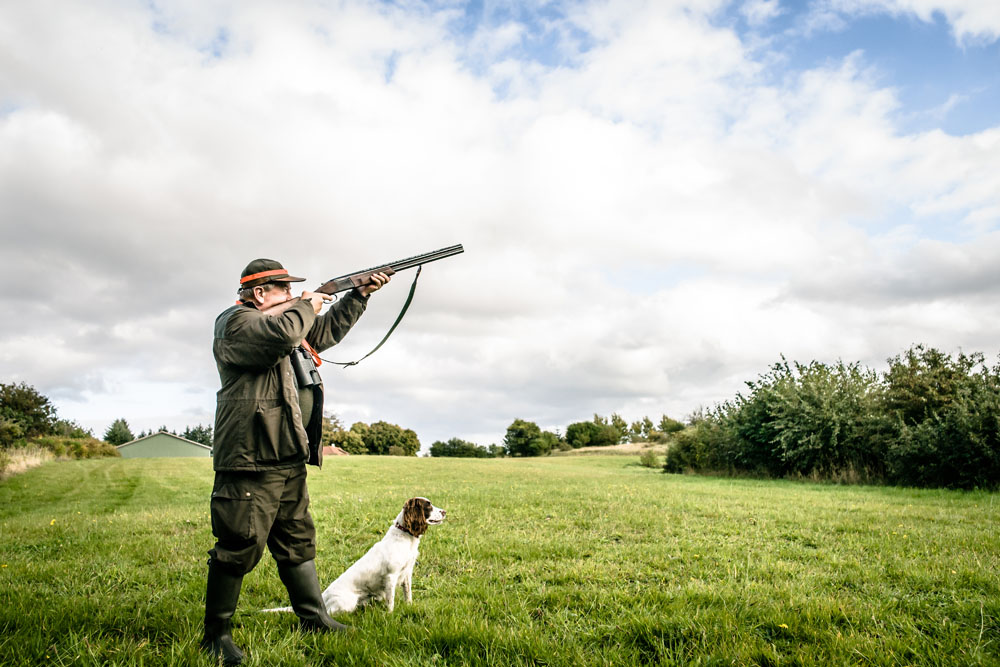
(70, 429)
(349, 441)
(336, 435)
(580, 434)
(620, 425)
(525, 438)
(362, 429)
(381, 436)
(459, 448)
(668, 425)
(199, 433)
(33, 413)
(597, 433)
(118, 433)
(331, 426)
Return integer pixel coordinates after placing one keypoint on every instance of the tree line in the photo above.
(378, 438)
(526, 438)
(119, 433)
(28, 419)
(931, 420)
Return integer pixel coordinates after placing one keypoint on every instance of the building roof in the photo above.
(145, 437)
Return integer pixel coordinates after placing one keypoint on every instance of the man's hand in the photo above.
(377, 281)
(316, 299)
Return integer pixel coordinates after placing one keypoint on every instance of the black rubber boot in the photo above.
(307, 600)
(222, 593)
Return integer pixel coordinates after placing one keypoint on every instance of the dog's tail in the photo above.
(277, 609)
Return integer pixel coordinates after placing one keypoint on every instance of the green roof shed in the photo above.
(162, 444)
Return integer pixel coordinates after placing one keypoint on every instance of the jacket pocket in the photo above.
(272, 435)
(232, 514)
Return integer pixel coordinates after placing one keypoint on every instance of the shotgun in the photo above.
(359, 278)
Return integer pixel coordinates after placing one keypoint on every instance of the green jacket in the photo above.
(258, 420)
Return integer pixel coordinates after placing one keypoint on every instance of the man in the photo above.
(267, 427)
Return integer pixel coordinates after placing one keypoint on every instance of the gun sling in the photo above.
(409, 299)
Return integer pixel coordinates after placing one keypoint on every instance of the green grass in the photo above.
(559, 561)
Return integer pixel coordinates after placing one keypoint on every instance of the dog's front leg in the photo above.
(407, 582)
(407, 593)
(390, 590)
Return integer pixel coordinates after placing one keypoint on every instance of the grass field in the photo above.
(559, 561)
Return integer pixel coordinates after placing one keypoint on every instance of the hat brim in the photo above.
(271, 279)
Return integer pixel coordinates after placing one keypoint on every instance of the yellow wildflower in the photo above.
(52, 523)
(783, 625)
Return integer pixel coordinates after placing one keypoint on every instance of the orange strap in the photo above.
(264, 274)
(310, 350)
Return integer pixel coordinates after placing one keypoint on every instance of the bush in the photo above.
(11, 434)
(948, 412)
(457, 447)
(649, 458)
(701, 446)
(76, 448)
(930, 420)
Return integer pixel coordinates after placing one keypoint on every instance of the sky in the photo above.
(657, 200)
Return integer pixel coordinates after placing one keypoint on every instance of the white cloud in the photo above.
(971, 20)
(759, 12)
(146, 158)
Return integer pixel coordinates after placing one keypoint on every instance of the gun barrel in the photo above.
(410, 262)
(433, 256)
(349, 280)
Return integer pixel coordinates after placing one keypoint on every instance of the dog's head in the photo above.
(417, 514)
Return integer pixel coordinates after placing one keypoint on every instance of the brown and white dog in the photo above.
(387, 564)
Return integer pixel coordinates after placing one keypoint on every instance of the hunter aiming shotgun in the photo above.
(359, 278)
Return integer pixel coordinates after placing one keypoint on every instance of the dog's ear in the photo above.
(414, 516)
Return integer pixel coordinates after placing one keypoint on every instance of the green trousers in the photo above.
(254, 509)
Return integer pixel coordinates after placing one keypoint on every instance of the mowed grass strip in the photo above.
(558, 561)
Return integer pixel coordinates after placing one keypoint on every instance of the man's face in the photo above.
(272, 294)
